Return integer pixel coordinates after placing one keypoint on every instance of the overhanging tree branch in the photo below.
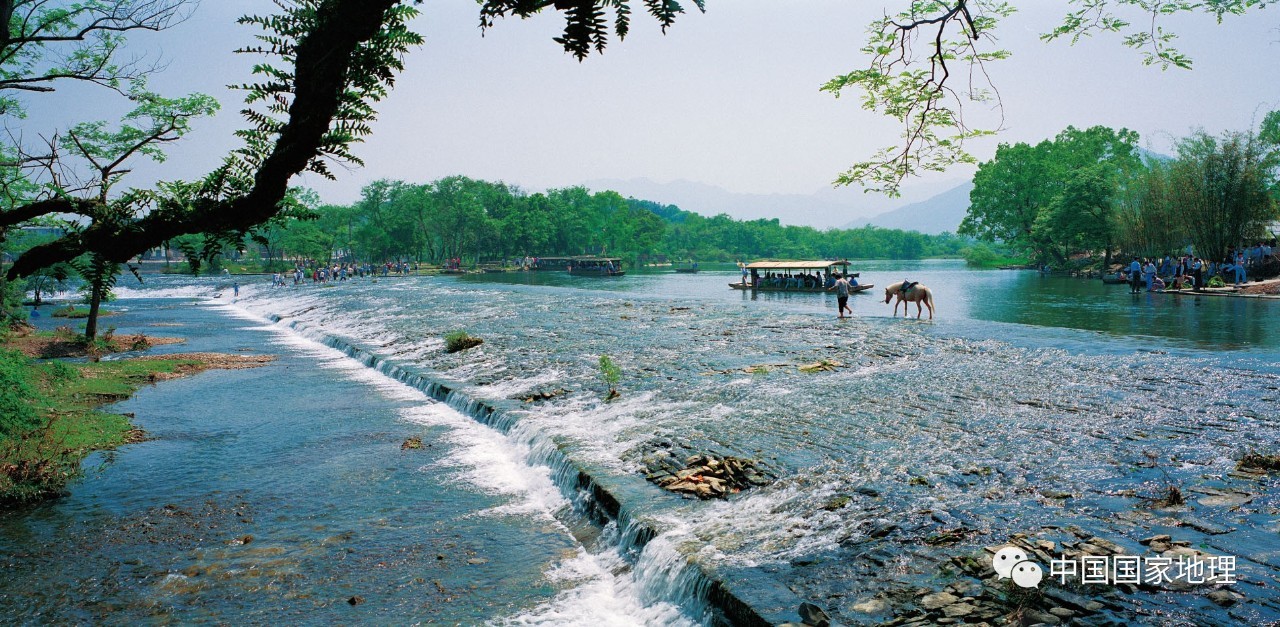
(327, 59)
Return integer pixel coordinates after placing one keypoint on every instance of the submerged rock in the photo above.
(836, 502)
(937, 600)
(1204, 526)
(871, 606)
(1224, 598)
(1230, 499)
(813, 615)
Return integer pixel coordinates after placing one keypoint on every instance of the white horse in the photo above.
(918, 294)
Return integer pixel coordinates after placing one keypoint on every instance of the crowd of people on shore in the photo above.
(324, 273)
(1189, 271)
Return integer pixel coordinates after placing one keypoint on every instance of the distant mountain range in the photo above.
(826, 208)
(823, 209)
(938, 214)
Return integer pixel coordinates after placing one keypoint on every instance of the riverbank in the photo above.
(1264, 290)
(51, 416)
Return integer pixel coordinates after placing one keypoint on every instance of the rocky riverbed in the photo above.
(895, 463)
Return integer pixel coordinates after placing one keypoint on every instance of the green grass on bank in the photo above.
(49, 419)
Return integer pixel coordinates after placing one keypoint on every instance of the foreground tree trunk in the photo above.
(95, 302)
(101, 275)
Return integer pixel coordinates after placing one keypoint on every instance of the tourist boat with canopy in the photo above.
(546, 263)
(596, 266)
(797, 276)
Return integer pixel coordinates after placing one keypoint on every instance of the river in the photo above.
(1029, 405)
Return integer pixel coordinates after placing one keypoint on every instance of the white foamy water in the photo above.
(761, 528)
(602, 432)
(599, 597)
(599, 587)
(210, 290)
(492, 462)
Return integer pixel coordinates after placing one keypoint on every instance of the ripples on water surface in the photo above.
(1023, 390)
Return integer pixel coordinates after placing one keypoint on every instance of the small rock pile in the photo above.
(707, 476)
(541, 395)
(1255, 462)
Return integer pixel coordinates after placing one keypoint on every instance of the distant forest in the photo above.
(481, 221)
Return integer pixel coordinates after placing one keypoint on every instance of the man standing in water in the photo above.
(1135, 276)
(842, 296)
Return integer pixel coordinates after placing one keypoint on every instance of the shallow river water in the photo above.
(1031, 405)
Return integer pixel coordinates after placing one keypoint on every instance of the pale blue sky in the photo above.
(728, 98)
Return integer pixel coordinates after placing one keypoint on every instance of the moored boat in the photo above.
(797, 276)
(546, 263)
(596, 266)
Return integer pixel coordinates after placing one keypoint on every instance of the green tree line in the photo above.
(482, 221)
(1092, 193)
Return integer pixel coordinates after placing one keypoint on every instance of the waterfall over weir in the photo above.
(658, 571)
(1032, 407)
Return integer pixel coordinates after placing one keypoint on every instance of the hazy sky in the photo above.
(728, 98)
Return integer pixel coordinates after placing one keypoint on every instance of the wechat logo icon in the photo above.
(1011, 562)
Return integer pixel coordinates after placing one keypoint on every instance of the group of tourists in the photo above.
(801, 280)
(1189, 271)
(324, 273)
(530, 263)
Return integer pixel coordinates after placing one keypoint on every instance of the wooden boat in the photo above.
(1114, 279)
(692, 268)
(784, 276)
(548, 263)
(596, 266)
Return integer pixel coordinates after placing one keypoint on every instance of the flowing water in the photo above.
(1029, 403)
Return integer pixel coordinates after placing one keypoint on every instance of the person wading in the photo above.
(842, 296)
(1135, 276)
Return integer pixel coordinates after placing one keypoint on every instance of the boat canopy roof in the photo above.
(795, 265)
(580, 259)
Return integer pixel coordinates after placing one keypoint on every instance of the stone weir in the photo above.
(717, 598)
